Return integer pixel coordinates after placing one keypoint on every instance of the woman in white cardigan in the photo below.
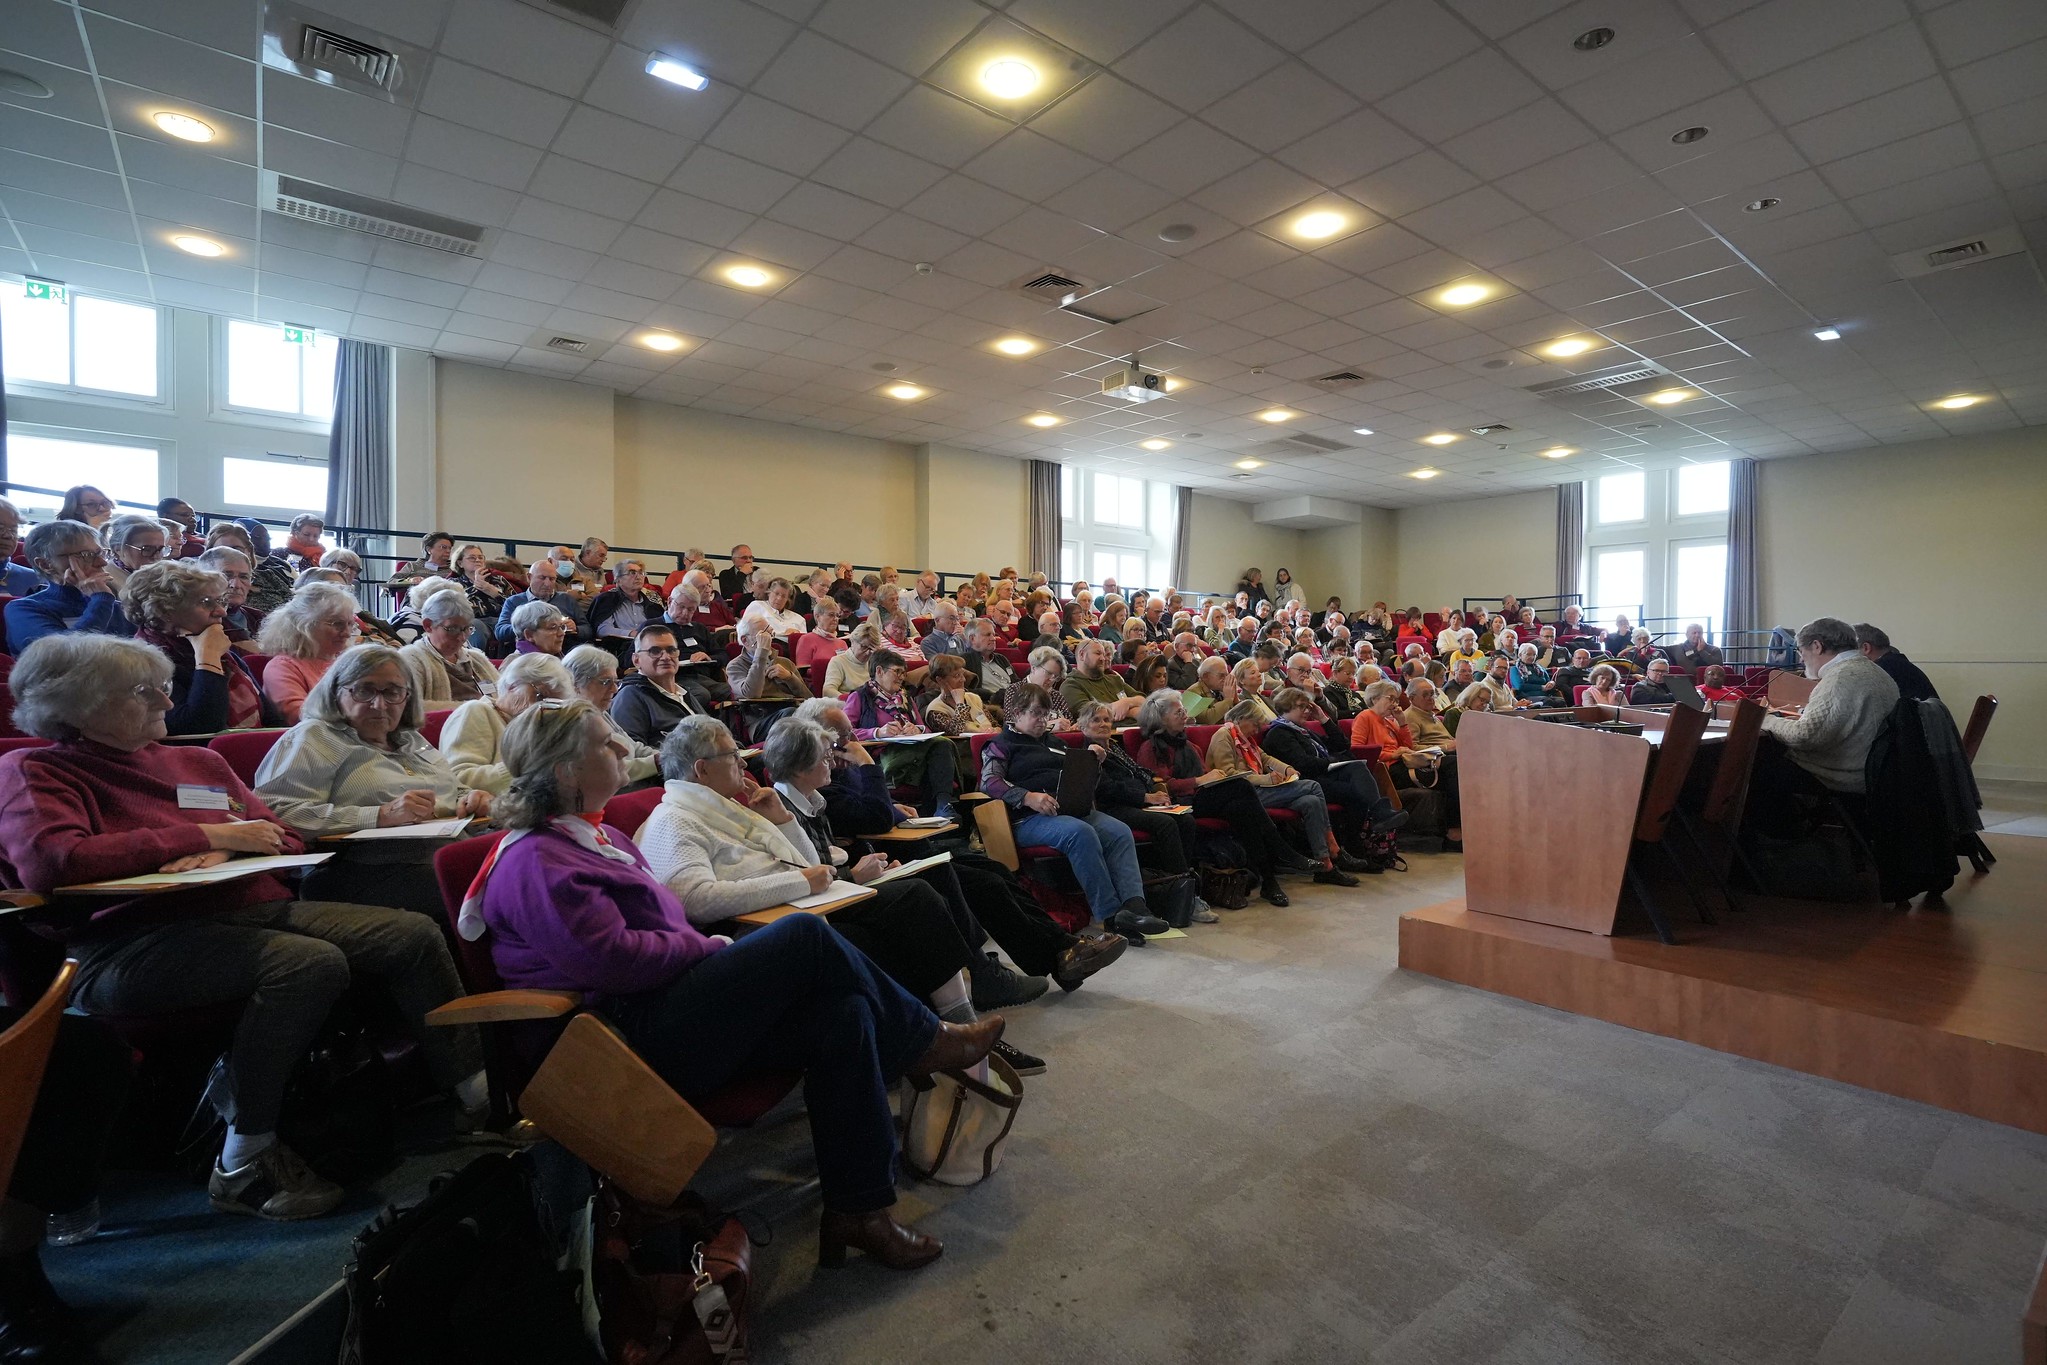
(442, 666)
(717, 841)
(473, 738)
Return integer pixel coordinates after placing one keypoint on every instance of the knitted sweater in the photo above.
(720, 858)
(472, 739)
(1831, 737)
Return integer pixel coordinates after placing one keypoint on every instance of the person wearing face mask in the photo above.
(16, 580)
(80, 596)
(178, 608)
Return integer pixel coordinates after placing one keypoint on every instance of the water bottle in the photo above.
(82, 1224)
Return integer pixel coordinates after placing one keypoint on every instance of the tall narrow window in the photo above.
(1699, 584)
(1622, 497)
(1617, 581)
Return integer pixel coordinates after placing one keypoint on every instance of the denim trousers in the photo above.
(794, 995)
(1304, 799)
(1100, 851)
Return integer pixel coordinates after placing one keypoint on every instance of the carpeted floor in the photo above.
(1266, 1142)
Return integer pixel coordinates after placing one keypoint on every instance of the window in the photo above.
(287, 485)
(82, 342)
(1617, 583)
(1126, 567)
(1067, 480)
(124, 471)
(1119, 501)
(1702, 489)
(1623, 497)
(267, 373)
(1069, 561)
(1699, 584)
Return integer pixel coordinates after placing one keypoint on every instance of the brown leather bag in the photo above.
(1226, 888)
(674, 1285)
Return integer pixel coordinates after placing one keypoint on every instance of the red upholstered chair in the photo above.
(1434, 621)
(430, 726)
(628, 811)
(245, 750)
(1578, 693)
(814, 674)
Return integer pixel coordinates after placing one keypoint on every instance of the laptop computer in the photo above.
(1685, 694)
(1078, 778)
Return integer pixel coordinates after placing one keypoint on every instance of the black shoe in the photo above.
(1346, 863)
(1021, 1062)
(1392, 820)
(1335, 876)
(996, 987)
(1294, 862)
(1136, 916)
(1269, 891)
(35, 1325)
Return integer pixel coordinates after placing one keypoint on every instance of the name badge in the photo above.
(193, 797)
(486, 689)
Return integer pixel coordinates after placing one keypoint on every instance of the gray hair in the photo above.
(866, 633)
(1641, 636)
(1301, 661)
(795, 746)
(305, 519)
(156, 590)
(318, 573)
(323, 702)
(537, 669)
(61, 681)
(1046, 654)
(1151, 716)
(587, 663)
(1093, 646)
(340, 555)
(693, 739)
(423, 591)
(1088, 711)
(1382, 688)
(825, 711)
(1248, 709)
(686, 595)
(116, 534)
(1211, 666)
(289, 629)
(221, 558)
(1830, 633)
(540, 741)
(448, 606)
(530, 616)
(1415, 686)
(57, 537)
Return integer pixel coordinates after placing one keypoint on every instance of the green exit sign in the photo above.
(299, 336)
(51, 290)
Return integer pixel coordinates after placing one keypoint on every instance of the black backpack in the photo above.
(469, 1274)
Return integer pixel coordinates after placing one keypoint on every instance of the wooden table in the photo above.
(757, 919)
(900, 835)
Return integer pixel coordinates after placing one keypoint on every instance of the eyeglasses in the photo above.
(610, 684)
(661, 651)
(238, 577)
(146, 551)
(90, 556)
(378, 696)
(209, 603)
(148, 690)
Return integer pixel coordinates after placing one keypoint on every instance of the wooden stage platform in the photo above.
(1948, 1007)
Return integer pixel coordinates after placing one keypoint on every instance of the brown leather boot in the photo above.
(879, 1235)
(958, 1045)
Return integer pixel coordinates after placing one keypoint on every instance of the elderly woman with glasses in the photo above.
(133, 542)
(473, 735)
(444, 668)
(303, 639)
(356, 761)
(178, 607)
(106, 800)
(539, 628)
(595, 674)
(241, 621)
(80, 596)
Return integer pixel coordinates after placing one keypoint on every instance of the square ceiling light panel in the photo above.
(1008, 70)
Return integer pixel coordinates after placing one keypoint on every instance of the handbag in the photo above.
(1226, 888)
(673, 1286)
(1170, 896)
(956, 1127)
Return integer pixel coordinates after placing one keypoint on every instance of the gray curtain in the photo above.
(359, 444)
(1183, 536)
(1570, 537)
(1046, 526)
(1744, 577)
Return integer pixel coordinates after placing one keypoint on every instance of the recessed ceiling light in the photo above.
(1177, 232)
(1763, 205)
(1009, 78)
(1424, 473)
(1592, 39)
(1463, 295)
(1156, 444)
(1319, 224)
(675, 73)
(198, 246)
(661, 341)
(1961, 400)
(1668, 396)
(183, 126)
(1362, 431)
(1557, 452)
(28, 87)
(1042, 419)
(1441, 438)
(1569, 346)
(1827, 334)
(1685, 136)
(1276, 415)
(907, 393)
(747, 276)
(1016, 345)
(1250, 464)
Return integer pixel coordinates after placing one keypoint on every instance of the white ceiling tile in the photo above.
(1393, 46)
(1768, 37)
(1869, 123)
(329, 163)
(568, 226)
(2018, 74)
(170, 163)
(1103, 30)
(2013, 126)
(1896, 162)
(1357, 145)
(817, 208)
(563, 180)
(155, 61)
(440, 192)
(1297, 25)
(1528, 135)
(776, 135)
(524, 43)
(1186, 157)
(471, 153)
(830, 81)
(332, 112)
(699, 220)
(872, 171)
(1029, 165)
(1423, 179)
(62, 181)
(1731, 114)
(1106, 118)
(909, 35)
(1110, 200)
(623, 87)
(46, 30)
(1280, 107)
(537, 255)
(1882, 61)
(1667, 78)
(1460, 97)
(1973, 29)
(1198, 58)
(58, 139)
(937, 127)
(619, 144)
(729, 40)
(481, 99)
(1256, 193)
(783, 244)
(1545, 47)
(966, 205)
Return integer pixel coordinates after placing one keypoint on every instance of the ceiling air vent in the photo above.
(1958, 253)
(1052, 285)
(377, 217)
(573, 345)
(1601, 379)
(1343, 379)
(605, 12)
(337, 52)
(1314, 445)
(1495, 429)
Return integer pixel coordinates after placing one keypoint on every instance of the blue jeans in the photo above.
(1100, 851)
(794, 995)
(1304, 799)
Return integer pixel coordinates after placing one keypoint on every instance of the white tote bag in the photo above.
(955, 1127)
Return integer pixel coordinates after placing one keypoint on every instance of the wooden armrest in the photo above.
(971, 798)
(991, 818)
(497, 1007)
(900, 835)
(21, 900)
(596, 1097)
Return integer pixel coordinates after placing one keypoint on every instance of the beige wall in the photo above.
(1356, 563)
(1939, 543)
(973, 511)
(1481, 548)
(1225, 541)
(520, 455)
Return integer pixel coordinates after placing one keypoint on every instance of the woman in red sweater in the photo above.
(106, 800)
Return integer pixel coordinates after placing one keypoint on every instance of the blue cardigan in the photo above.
(60, 608)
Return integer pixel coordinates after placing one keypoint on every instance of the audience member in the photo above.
(178, 607)
(303, 638)
(443, 668)
(653, 697)
(1605, 688)
(16, 580)
(1912, 682)
(848, 669)
(1715, 689)
(733, 579)
(80, 596)
(945, 636)
(1620, 637)
(782, 623)
(132, 542)
(1825, 745)
(1234, 751)
(595, 675)
(543, 584)
(302, 547)
(474, 735)
(1093, 680)
(584, 576)
(953, 708)
(85, 503)
(1528, 679)
(757, 673)
(1410, 765)
(1654, 689)
(618, 612)
(880, 709)
(273, 572)
(1694, 656)
(436, 560)
(539, 628)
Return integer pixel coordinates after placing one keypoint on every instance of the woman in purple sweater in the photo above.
(570, 905)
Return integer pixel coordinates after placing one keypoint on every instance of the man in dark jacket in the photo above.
(1911, 679)
(650, 701)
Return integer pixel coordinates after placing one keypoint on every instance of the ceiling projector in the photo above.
(1134, 385)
